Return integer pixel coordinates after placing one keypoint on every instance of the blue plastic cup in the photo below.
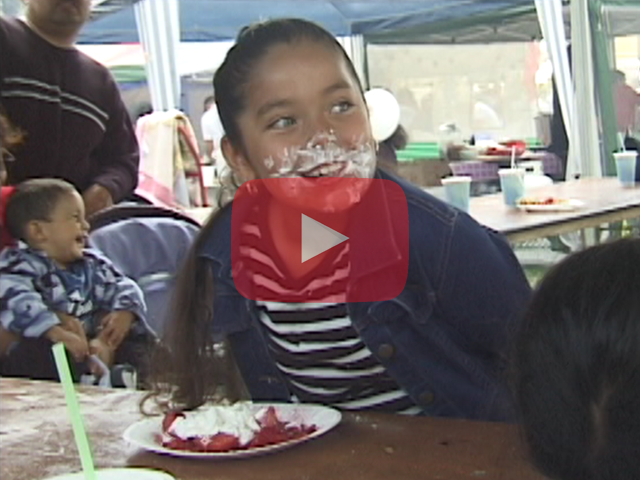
(626, 167)
(512, 185)
(457, 190)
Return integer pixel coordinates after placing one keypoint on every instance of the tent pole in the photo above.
(604, 64)
(585, 128)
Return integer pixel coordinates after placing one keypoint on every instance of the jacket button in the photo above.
(426, 398)
(386, 351)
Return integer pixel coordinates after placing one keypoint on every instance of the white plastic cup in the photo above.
(512, 185)
(125, 473)
(626, 167)
(457, 190)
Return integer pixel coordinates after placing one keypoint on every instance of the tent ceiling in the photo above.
(513, 24)
(399, 21)
(212, 20)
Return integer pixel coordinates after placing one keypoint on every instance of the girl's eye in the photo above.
(342, 107)
(283, 122)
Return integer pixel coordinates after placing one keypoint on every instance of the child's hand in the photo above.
(105, 353)
(72, 324)
(115, 326)
(77, 346)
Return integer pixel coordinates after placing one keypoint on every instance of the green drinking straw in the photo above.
(82, 442)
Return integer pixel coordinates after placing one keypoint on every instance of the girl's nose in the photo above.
(323, 137)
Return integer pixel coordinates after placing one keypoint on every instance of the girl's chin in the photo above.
(322, 194)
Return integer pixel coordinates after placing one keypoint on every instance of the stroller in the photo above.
(148, 244)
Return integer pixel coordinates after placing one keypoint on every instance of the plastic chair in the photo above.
(148, 244)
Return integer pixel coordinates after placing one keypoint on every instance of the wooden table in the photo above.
(605, 201)
(36, 441)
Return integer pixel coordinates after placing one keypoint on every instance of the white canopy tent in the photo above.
(158, 23)
(575, 86)
(158, 28)
(159, 31)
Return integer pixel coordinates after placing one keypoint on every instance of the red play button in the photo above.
(299, 240)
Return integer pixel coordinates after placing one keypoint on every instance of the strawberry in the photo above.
(221, 442)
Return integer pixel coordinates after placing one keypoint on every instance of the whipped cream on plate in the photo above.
(239, 420)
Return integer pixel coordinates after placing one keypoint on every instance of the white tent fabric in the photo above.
(552, 26)
(585, 127)
(158, 24)
(576, 89)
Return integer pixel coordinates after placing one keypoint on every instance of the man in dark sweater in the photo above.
(68, 106)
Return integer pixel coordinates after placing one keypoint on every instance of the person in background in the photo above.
(9, 138)
(212, 133)
(68, 106)
(627, 102)
(439, 348)
(54, 289)
(387, 156)
(577, 366)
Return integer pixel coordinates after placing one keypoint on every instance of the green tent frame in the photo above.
(604, 64)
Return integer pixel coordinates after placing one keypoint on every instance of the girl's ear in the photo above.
(237, 160)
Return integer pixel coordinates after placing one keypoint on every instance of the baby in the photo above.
(53, 289)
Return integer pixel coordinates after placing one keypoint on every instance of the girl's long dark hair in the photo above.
(190, 369)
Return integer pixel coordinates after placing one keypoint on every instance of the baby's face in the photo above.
(66, 231)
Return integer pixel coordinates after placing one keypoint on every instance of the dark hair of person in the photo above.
(398, 139)
(208, 101)
(34, 200)
(387, 156)
(253, 43)
(196, 370)
(577, 366)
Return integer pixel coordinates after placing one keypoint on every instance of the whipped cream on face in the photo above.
(238, 420)
(323, 156)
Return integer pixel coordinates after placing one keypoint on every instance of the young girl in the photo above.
(285, 89)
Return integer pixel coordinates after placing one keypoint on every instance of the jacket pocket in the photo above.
(412, 306)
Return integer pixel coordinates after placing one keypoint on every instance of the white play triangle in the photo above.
(318, 238)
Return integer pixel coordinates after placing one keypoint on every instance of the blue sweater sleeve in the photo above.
(22, 308)
(113, 290)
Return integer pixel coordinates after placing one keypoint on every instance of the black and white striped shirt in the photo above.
(315, 345)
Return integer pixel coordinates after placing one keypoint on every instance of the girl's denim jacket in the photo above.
(445, 339)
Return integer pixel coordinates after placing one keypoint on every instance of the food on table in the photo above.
(228, 428)
(543, 201)
(503, 149)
